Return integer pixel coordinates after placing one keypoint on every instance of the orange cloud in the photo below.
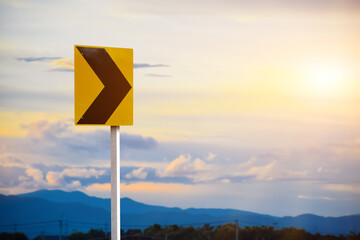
(99, 187)
(63, 64)
(153, 187)
(343, 188)
(141, 187)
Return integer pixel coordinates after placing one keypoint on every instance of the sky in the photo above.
(252, 105)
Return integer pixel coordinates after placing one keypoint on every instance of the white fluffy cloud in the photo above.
(55, 178)
(211, 156)
(262, 172)
(35, 177)
(83, 172)
(45, 129)
(137, 173)
(36, 174)
(225, 180)
(196, 170)
(183, 166)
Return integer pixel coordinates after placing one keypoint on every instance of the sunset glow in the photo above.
(327, 79)
(237, 104)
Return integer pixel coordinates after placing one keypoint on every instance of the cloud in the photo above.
(314, 197)
(157, 75)
(58, 178)
(188, 170)
(138, 187)
(268, 167)
(37, 59)
(46, 129)
(99, 187)
(137, 141)
(18, 98)
(59, 146)
(137, 173)
(211, 156)
(67, 64)
(147, 65)
(75, 184)
(199, 164)
(10, 161)
(184, 166)
(60, 137)
(262, 172)
(295, 174)
(349, 149)
(249, 163)
(180, 166)
(350, 188)
(21, 180)
(131, 174)
(55, 178)
(59, 64)
(153, 187)
(63, 65)
(11, 176)
(225, 180)
(36, 174)
(257, 162)
(83, 172)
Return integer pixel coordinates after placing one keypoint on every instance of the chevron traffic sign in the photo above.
(103, 86)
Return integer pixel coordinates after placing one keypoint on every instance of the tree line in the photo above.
(228, 232)
(206, 232)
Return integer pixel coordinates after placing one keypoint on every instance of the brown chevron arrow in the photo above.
(115, 86)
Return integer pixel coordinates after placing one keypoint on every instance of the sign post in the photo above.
(104, 96)
(115, 182)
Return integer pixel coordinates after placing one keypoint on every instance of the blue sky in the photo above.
(237, 104)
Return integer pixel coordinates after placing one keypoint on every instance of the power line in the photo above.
(203, 223)
(23, 224)
(86, 225)
(40, 226)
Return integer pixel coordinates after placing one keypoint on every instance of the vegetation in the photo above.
(228, 232)
(206, 232)
(92, 234)
(13, 236)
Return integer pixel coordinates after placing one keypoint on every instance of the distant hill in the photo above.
(35, 216)
(41, 212)
(129, 205)
(58, 196)
(323, 225)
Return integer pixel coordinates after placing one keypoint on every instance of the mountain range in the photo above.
(48, 211)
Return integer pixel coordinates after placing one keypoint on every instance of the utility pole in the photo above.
(61, 226)
(275, 224)
(106, 230)
(66, 228)
(15, 227)
(237, 229)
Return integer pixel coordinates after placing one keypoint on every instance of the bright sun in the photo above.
(326, 79)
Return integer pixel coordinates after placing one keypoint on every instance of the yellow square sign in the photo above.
(103, 86)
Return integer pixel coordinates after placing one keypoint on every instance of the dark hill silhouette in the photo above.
(59, 196)
(81, 212)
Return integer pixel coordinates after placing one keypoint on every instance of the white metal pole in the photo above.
(115, 182)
